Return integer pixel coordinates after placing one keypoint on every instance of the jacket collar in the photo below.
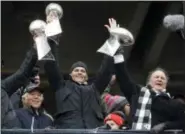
(33, 111)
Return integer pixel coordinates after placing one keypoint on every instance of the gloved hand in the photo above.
(158, 128)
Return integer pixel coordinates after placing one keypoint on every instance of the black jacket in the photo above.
(16, 98)
(8, 116)
(30, 119)
(11, 84)
(78, 106)
(162, 108)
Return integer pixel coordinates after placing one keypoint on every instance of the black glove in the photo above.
(35, 71)
(158, 128)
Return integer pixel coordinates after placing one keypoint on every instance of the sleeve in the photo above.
(52, 69)
(22, 75)
(8, 116)
(168, 106)
(179, 124)
(16, 98)
(127, 86)
(104, 74)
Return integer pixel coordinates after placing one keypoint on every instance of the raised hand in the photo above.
(112, 24)
(51, 16)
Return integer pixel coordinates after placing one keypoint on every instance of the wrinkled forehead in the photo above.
(158, 73)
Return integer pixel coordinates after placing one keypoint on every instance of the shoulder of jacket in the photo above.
(48, 115)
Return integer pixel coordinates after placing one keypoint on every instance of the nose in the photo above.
(79, 73)
(159, 79)
(36, 96)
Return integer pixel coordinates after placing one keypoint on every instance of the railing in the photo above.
(80, 131)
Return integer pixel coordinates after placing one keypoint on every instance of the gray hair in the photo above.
(157, 69)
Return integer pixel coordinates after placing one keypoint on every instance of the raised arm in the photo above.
(55, 77)
(22, 75)
(127, 86)
(104, 74)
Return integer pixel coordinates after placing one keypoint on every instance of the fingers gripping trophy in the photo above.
(41, 30)
(37, 29)
(117, 34)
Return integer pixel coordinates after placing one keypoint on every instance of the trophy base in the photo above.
(49, 56)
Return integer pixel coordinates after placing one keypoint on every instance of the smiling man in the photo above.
(77, 101)
(32, 115)
(79, 72)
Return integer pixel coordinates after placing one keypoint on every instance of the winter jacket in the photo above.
(78, 105)
(33, 119)
(11, 84)
(162, 108)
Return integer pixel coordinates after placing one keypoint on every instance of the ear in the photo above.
(42, 97)
(86, 78)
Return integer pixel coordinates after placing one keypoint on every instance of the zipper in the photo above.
(32, 124)
(81, 97)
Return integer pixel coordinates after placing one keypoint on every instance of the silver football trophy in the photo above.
(124, 35)
(54, 13)
(37, 29)
(111, 47)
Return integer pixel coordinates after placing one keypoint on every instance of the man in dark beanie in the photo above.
(78, 102)
(77, 67)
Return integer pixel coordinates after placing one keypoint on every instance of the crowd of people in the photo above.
(84, 105)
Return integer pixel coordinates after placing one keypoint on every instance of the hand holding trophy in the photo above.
(37, 29)
(54, 13)
(120, 33)
(117, 33)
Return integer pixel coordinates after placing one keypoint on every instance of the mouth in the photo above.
(79, 77)
(159, 84)
(36, 102)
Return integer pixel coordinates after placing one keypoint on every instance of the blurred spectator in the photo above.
(114, 121)
(113, 103)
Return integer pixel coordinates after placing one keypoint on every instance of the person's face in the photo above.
(112, 124)
(34, 99)
(158, 80)
(79, 75)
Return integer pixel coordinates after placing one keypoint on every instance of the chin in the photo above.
(36, 107)
(79, 81)
(159, 88)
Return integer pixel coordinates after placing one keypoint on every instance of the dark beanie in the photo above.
(78, 64)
